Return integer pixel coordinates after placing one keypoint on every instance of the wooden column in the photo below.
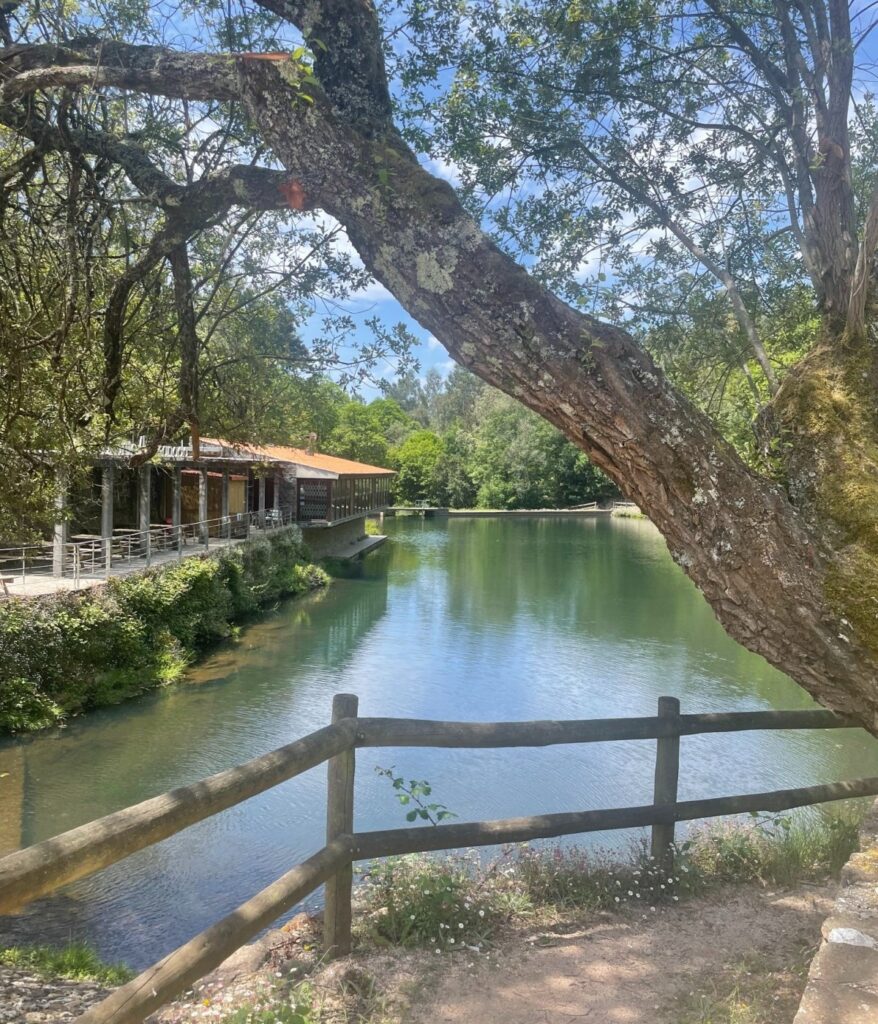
(177, 506)
(61, 528)
(261, 501)
(144, 503)
(108, 480)
(226, 524)
(667, 771)
(144, 498)
(278, 479)
(202, 506)
(339, 822)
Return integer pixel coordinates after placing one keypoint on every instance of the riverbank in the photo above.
(68, 653)
(552, 933)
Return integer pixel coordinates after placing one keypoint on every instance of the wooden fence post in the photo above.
(340, 821)
(667, 771)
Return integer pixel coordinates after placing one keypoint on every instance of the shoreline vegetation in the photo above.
(68, 653)
(465, 908)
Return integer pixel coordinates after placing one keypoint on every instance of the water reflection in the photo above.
(478, 619)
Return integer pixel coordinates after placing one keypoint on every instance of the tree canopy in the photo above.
(638, 186)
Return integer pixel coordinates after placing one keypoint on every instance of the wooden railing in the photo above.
(40, 869)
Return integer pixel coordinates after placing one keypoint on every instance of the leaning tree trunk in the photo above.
(761, 567)
(774, 576)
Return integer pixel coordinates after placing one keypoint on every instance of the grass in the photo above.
(452, 902)
(77, 961)
(352, 1000)
(297, 1009)
(753, 990)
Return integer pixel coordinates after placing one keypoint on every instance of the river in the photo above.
(481, 619)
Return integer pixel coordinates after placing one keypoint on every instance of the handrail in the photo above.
(46, 866)
(37, 870)
(97, 557)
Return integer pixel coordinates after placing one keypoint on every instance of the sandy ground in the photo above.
(625, 970)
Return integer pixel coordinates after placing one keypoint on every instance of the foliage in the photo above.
(460, 443)
(410, 793)
(430, 901)
(75, 651)
(77, 961)
(773, 850)
(418, 460)
(442, 902)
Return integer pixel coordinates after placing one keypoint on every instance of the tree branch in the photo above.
(345, 37)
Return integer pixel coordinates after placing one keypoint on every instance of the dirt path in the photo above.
(600, 969)
(629, 970)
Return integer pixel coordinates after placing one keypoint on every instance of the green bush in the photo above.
(76, 651)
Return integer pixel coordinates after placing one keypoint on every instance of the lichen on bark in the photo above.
(829, 443)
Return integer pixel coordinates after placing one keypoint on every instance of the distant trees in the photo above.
(463, 444)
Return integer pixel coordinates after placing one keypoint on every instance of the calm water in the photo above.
(472, 619)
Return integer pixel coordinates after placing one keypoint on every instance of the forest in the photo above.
(462, 444)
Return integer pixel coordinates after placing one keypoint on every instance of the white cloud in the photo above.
(434, 343)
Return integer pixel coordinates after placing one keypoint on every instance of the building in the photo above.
(122, 516)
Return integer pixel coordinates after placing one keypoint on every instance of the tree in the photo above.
(521, 461)
(419, 465)
(357, 436)
(785, 554)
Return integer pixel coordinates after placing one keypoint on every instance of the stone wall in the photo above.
(843, 981)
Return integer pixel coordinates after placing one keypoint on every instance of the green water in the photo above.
(471, 619)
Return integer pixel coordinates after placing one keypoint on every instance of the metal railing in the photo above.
(45, 867)
(96, 557)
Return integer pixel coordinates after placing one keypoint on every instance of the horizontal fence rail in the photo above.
(40, 869)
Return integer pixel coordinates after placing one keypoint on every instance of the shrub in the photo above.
(75, 651)
(431, 901)
(773, 850)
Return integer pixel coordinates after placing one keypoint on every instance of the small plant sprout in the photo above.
(415, 792)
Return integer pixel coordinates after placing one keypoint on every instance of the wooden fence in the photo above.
(40, 869)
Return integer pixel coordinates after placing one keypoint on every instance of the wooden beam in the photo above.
(108, 480)
(390, 842)
(226, 530)
(412, 732)
(144, 497)
(157, 985)
(46, 866)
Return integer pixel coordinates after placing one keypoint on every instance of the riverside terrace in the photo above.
(122, 519)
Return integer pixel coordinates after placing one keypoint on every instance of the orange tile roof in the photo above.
(317, 460)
